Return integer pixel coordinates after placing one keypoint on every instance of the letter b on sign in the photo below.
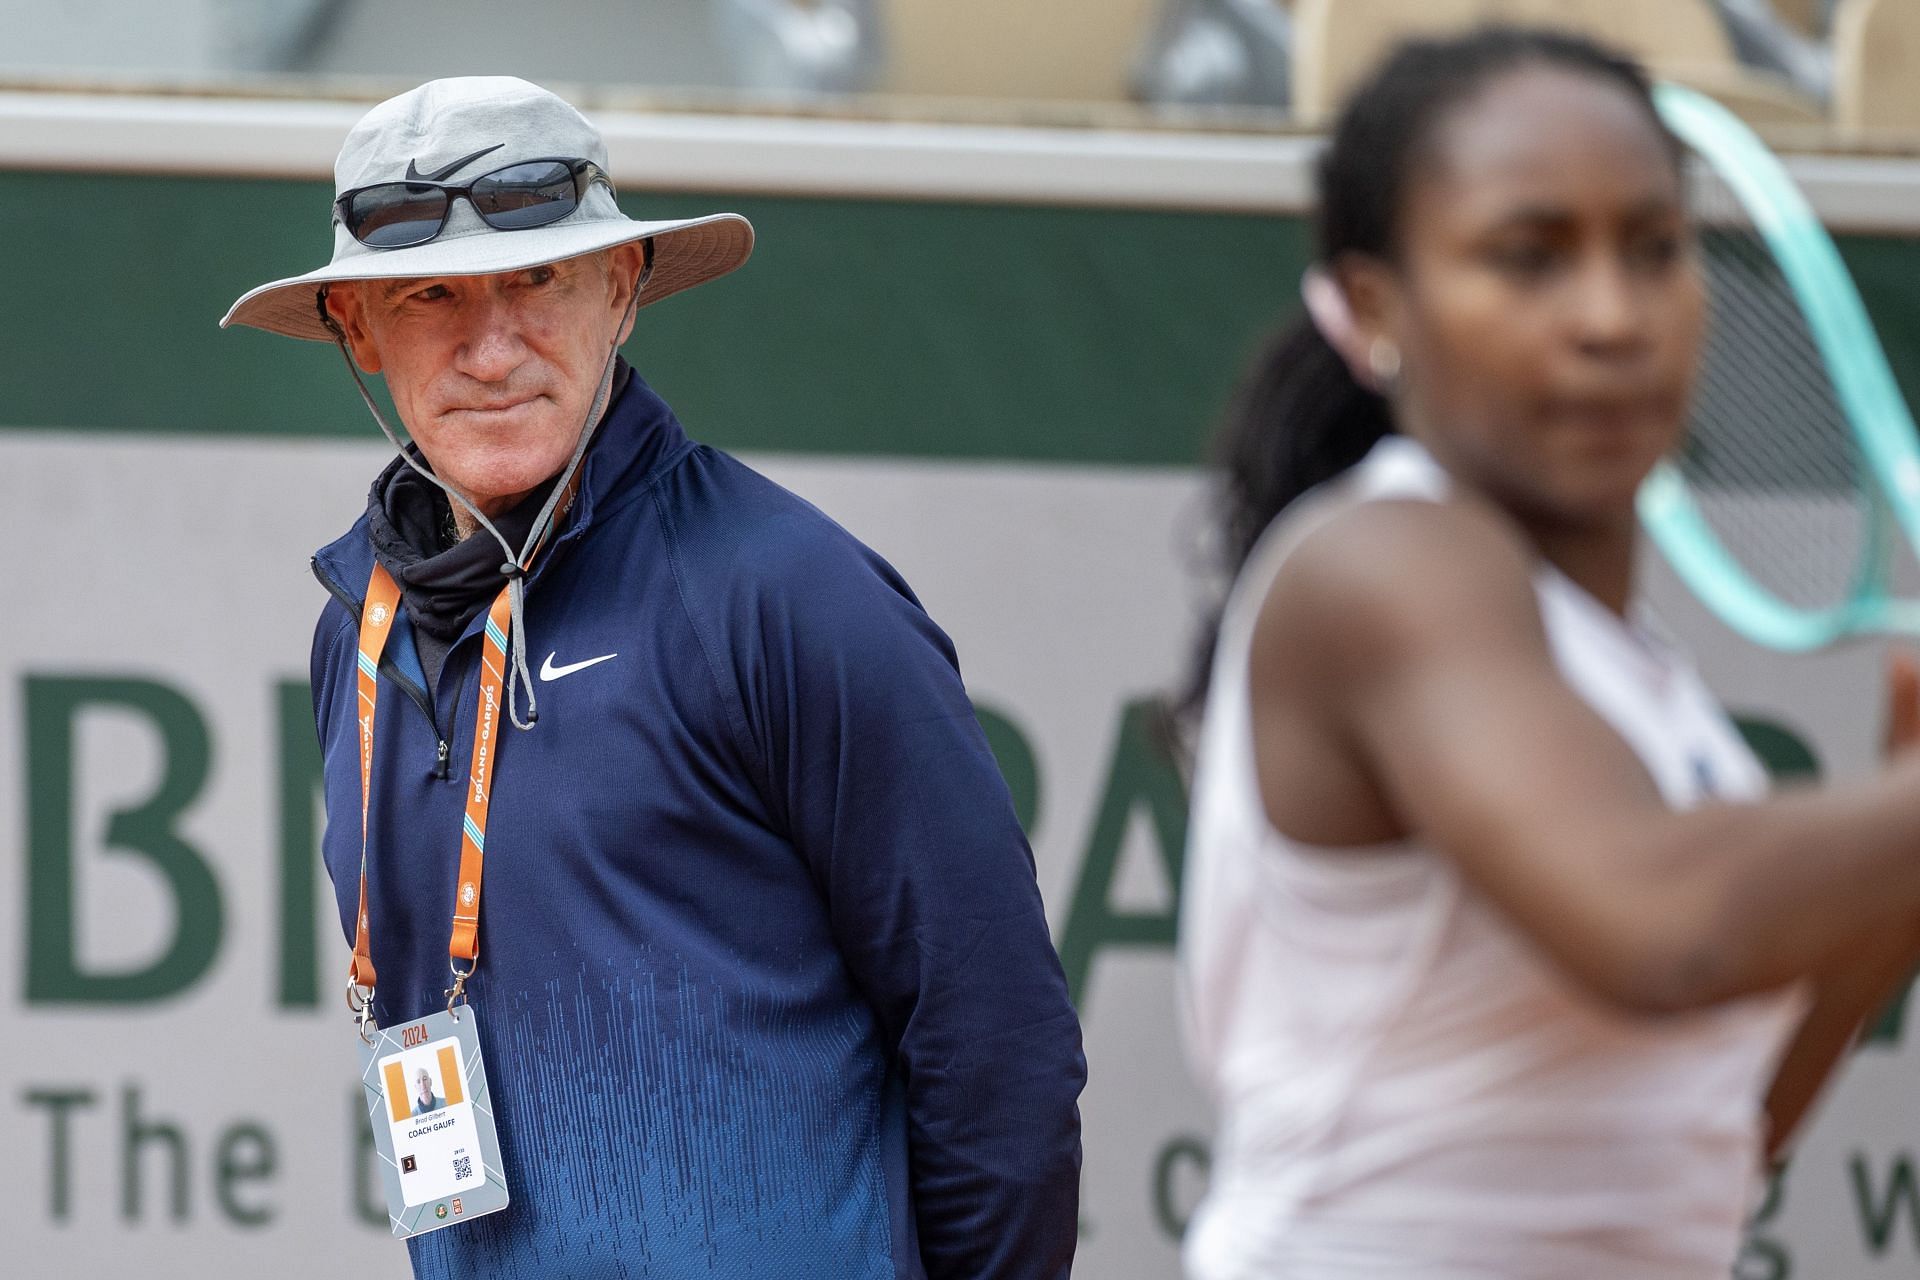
(147, 830)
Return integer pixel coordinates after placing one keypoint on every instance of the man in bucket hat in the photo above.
(766, 989)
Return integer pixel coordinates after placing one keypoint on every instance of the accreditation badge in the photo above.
(426, 1094)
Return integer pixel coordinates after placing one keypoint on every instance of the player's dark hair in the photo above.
(1300, 417)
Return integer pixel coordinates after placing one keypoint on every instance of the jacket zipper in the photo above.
(442, 749)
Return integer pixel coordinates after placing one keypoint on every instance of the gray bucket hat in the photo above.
(453, 131)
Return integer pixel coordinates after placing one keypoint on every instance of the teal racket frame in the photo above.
(1868, 394)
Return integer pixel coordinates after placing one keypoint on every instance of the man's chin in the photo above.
(497, 490)
(495, 470)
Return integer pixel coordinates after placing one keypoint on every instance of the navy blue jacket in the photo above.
(765, 989)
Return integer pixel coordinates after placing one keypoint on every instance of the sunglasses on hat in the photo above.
(527, 193)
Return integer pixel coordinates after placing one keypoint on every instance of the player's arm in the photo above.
(1846, 996)
(1423, 655)
(1843, 1001)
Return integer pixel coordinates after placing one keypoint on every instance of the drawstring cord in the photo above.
(514, 569)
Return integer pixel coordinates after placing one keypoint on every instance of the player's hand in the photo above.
(1903, 703)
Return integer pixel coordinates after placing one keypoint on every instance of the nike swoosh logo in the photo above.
(440, 175)
(550, 672)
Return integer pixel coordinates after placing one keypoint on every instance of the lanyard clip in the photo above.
(457, 993)
(360, 1000)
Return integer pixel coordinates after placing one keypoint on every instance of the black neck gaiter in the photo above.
(444, 583)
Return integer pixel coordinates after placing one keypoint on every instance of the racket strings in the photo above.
(1770, 455)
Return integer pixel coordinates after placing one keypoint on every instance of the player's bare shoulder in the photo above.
(1373, 584)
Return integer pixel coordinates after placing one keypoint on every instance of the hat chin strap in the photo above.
(514, 569)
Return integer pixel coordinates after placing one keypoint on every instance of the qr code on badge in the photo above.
(462, 1168)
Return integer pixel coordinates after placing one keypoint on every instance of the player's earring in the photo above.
(1383, 362)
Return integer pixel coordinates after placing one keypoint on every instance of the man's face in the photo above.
(426, 1083)
(493, 375)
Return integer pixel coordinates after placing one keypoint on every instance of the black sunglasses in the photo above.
(529, 193)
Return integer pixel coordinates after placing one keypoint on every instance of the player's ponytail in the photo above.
(1330, 422)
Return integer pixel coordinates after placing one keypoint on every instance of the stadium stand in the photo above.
(1015, 49)
(1217, 53)
(1876, 45)
(1767, 42)
(1810, 16)
(1335, 42)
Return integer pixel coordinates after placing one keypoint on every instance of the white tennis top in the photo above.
(1406, 1086)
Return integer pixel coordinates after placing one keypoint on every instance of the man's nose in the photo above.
(492, 346)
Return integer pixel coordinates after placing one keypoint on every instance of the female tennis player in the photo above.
(1495, 960)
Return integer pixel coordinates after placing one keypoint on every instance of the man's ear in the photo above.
(344, 307)
(625, 264)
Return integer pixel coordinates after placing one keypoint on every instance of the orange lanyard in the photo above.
(376, 624)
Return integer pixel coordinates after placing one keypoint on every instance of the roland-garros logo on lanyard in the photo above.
(489, 710)
(465, 944)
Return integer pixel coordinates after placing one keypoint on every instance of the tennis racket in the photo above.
(1793, 509)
